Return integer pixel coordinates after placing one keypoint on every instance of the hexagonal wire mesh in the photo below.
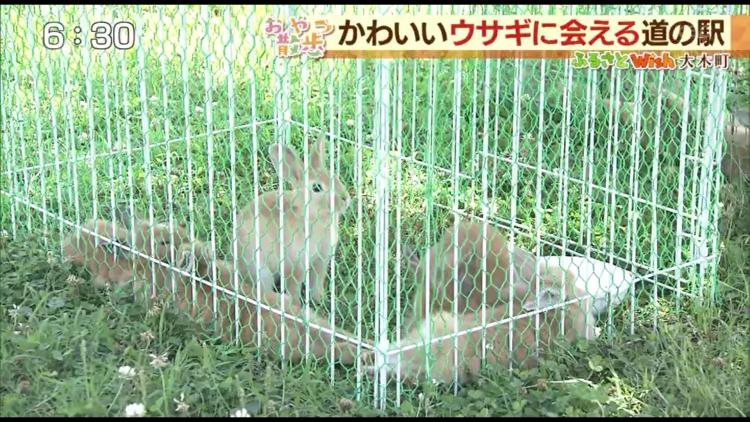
(144, 164)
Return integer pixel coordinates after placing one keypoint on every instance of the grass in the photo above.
(62, 342)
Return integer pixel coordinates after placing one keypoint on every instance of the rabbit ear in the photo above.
(292, 163)
(318, 158)
(547, 297)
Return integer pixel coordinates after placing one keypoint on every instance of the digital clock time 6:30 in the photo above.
(121, 35)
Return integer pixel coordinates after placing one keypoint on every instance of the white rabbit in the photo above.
(599, 279)
(322, 217)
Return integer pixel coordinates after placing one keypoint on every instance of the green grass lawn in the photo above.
(62, 344)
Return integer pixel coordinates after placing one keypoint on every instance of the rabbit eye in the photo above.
(317, 187)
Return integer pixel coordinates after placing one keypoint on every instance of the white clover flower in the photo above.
(159, 361)
(147, 336)
(240, 413)
(126, 372)
(181, 405)
(155, 310)
(73, 280)
(13, 313)
(136, 410)
(198, 109)
(350, 122)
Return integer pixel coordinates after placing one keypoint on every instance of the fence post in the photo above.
(382, 142)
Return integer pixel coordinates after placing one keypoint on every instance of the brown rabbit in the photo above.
(578, 322)
(444, 264)
(106, 262)
(323, 223)
(82, 248)
(111, 264)
(197, 257)
(736, 161)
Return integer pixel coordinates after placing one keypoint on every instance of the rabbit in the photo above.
(606, 283)
(197, 257)
(499, 259)
(110, 264)
(107, 263)
(322, 239)
(736, 162)
(81, 249)
(577, 323)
